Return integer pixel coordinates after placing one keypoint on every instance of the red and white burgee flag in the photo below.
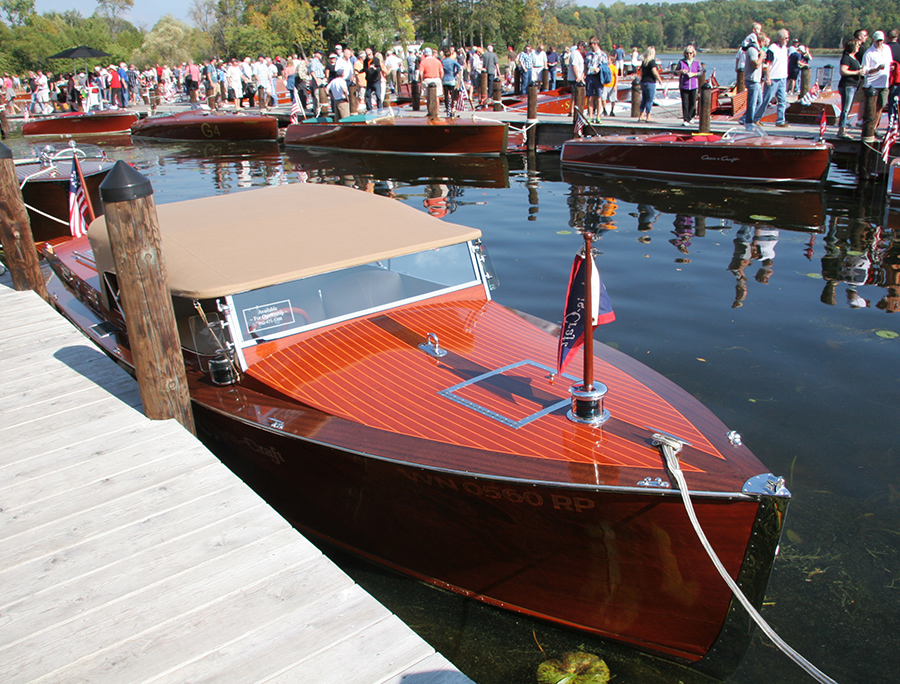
(77, 203)
(893, 130)
(295, 111)
(823, 125)
(571, 335)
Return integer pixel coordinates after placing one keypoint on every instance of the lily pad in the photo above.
(761, 217)
(817, 276)
(564, 232)
(574, 667)
(887, 334)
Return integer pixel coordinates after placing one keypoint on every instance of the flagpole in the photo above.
(84, 187)
(587, 399)
(589, 319)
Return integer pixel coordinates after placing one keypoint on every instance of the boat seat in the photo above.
(361, 290)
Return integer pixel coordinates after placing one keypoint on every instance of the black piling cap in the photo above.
(124, 183)
(5, 152)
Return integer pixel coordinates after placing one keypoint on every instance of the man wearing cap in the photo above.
(877, 65)
(431, 70)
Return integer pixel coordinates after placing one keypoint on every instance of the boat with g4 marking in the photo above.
(207, 125)
(738, 155)
(388, 132)
(363, 380)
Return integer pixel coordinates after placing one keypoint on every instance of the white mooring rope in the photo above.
(670, 448)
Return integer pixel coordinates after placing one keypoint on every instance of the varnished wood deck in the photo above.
(128, 553)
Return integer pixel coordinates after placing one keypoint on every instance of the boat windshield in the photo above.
(291, 307)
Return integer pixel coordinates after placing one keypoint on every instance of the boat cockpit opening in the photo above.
(216, 329)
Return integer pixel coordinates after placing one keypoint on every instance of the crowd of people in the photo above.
(770, 69)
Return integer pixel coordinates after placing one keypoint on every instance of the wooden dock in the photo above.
(129, 553)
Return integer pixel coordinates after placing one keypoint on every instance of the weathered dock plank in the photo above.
(129, 553)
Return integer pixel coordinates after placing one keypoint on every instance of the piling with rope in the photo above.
(136, 245)
(15, 231)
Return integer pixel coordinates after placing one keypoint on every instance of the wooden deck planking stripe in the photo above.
(129, 553)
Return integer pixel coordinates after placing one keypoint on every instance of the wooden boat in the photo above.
(44, 179)
(81, 123)
(364, 382)
(738, 155)
(204, 125)
(402, 135)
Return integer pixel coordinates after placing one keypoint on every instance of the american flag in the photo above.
(893, 131)
(573, 330)
(811, 94)
(295, 111)
(579, 125)
(461, 99)
(822, 125)
(77, 203)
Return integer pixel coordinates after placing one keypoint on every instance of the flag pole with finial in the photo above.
(587, 399)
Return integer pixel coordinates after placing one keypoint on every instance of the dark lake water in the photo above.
(771, 307)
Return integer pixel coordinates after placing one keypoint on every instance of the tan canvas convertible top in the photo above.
(227, 244)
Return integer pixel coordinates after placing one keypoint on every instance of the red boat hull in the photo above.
(204, 126)
(404, 135)
(78, 123)
(754, 159)
(480, 537)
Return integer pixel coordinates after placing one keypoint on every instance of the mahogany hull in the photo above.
(78, 123)
(621, 564)
(208, 126)
(412, 135)
(777, 161)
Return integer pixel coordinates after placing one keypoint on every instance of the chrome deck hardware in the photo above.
(432, 347)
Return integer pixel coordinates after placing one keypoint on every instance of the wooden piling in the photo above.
(497, 95)
(531, 118)
(635, 98)
(545, 80)
(415, 95)
(353, 99)
(431, 100)
(741, 85)
(15, 230)
(805, 78)
(705, 107)
(577, 100)
(136, 245)
(869, 122)
(482, 86)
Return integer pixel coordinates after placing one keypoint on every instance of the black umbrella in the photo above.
(82, 51)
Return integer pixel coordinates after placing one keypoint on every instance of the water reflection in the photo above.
(855, 247)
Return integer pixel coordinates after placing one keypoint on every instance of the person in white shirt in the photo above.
(876, 63)
(261, 82)
(776, 71)
(538, 64)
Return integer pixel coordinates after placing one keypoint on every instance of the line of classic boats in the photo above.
(363, 381)
(747, 156)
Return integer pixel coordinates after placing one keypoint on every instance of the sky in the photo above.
(144, 14)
